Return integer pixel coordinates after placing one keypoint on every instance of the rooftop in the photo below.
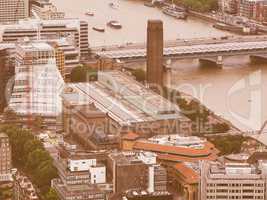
(189, 175)
(122, 98)
(36, 46)
(3, 135)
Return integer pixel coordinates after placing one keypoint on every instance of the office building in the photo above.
(13, 10)
(146, 174)
(45, 10)
(38, 29)
(233, 180)
(5, 158)
(155, 68)
(7, 70)
(79, 177)
(38, 83)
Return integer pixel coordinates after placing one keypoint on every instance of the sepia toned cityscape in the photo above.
(133, 100)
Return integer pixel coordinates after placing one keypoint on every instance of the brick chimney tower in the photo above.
(155, 68)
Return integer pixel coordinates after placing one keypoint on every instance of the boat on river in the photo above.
(114, 24)
(89, 14)
(99, 28)
(173, 12)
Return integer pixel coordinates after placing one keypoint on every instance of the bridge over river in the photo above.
(208, 48)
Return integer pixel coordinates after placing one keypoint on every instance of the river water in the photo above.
(237, 92)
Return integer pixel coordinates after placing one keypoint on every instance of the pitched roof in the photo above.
(130, 136)
(188, 175)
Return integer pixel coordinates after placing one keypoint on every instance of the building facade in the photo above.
(79, 176)
(37, 29)
(233, 181)
(5, 158)
(38, 83)
(13, 10)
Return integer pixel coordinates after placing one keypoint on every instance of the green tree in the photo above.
(37, 123)
(51, 195)
(29, 155)
(83, 74)
(35, 158)
(139, 74)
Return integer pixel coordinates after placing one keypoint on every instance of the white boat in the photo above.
(171, 11)
(99, 28)
(89, 13)
(114, 24)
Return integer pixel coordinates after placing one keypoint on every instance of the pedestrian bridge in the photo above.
(192, 51)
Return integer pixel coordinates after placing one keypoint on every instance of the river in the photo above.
(238, 91)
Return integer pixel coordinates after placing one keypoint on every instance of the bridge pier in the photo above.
(258, 58)
(218, 61)
(167, 76)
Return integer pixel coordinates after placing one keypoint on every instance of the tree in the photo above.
(228, 144)
(83, 74)
(10, 115)
(35, 158)
(139, 74)
(44, 173)
(37, 123)
(51, 195)
(29, 155)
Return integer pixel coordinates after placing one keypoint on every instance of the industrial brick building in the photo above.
(120, 104)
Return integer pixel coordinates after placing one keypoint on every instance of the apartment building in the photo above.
(233, 180)
(5, 158)
(24, 189)
(13, 10)
(253, 9)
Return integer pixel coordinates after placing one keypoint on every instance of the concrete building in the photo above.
(253, 9)
(79, 176)
(233, 180)
(174, 148)
(137, 171)
(38, 29)
(187, 179)
(121, 104)
(5, 159)
(155, 68)
(7, 70)
(13, 10)
(229, 6)
(24, 189)
(38, 83)
(45, 10)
